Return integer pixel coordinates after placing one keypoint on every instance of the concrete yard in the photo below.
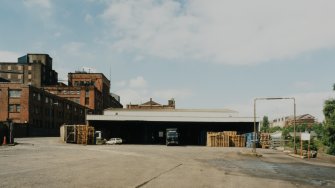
(46, 162)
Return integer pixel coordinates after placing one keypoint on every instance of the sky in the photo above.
(205, 54)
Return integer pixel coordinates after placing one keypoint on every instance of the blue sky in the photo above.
(205, 54)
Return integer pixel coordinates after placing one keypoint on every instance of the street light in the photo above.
(274, 98)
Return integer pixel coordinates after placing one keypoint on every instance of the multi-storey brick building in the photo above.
(88, 96)
(100, 82)
(31, 69)
(32, 98)
(35, 111)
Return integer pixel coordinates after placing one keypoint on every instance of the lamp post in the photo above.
(275, 98)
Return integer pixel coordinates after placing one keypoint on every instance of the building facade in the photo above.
(289, 121)
(35, 111)
(153, 105)
(31, 96)
(31, 69)
(100, 82)
(88, 96)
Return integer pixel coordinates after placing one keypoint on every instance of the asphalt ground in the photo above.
(46, 162)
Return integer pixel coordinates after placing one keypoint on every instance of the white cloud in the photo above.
(219, 31)
(40, 3)
(88, 19)
(306, 103)
(134, 96)
(57, 34)
(73, 47)
(137, 91)
(138, 82)
(172, 93)
(121, 83)
(303, 85)
(7, 56)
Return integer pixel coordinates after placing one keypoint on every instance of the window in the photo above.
(19, 67)
(39, 97)
(29, 76)
(9, 76)
(87, 101)
(46, 99)
(9, 67)
(29, 67)
(14, 108)
(72, 92)
(19, 76)
(11, 108)
(78, 92)
(87, 93)
(15, 93)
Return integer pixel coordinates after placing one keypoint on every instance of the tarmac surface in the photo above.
(46, 162)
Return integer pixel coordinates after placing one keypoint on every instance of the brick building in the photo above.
(289, 121)
(31, 69)
(88, 96)
(35, 111)
(32, 98)
(153, 105)
(100, 82)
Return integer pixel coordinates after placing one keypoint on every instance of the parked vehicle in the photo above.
(172, 136)
(114, 141)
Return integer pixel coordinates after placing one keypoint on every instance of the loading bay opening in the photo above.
(154, 132)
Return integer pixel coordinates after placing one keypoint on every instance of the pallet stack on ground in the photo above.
(84, 134)
(225, 139)
(238, 141)
(265, 140)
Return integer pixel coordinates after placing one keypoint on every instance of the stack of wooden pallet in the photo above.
(225, 139)
(217, 139)
(84, 134)
(238, 141)
(265, 140)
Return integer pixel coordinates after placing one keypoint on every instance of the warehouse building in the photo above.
(148, 126)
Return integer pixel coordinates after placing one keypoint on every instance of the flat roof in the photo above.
(171, 115)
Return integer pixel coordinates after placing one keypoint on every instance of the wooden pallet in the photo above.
(225, 139)
(84, 134)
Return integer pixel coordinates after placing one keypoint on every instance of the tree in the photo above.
(265, 124)
(329, 129)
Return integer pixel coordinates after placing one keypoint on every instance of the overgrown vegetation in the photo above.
(329, 125)
(325, 131)
(265, 124)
